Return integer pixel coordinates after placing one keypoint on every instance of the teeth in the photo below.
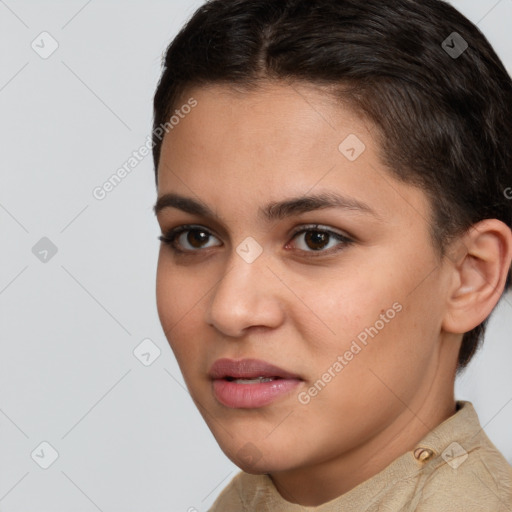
(257, 380)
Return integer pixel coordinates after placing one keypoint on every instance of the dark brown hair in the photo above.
(444, 111)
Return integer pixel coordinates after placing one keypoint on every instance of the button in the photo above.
(423, 454)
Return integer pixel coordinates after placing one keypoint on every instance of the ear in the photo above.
(481, 262)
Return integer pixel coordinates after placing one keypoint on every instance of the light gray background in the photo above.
(128, 436)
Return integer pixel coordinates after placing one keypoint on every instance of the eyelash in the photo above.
(170, 239)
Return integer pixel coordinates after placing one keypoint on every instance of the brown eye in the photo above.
(188, 239)
(312, 239)
(196, 238)
(316, 239)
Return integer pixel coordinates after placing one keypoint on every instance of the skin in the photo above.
(298, 308)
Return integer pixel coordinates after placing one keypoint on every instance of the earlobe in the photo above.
(480, 271)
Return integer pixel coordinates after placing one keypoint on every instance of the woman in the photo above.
(331, 192)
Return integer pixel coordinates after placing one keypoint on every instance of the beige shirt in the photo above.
(454, 468)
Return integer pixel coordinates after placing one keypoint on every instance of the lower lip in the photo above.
(250, 396)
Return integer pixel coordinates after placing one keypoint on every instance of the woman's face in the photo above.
(346, 299)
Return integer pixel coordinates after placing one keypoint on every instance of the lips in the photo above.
(231, 369)
(250, 383)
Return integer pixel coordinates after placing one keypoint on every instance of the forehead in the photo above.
(275, 141)
(275, 127)
(274, 111)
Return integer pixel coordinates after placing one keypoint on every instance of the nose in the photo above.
(248, 295)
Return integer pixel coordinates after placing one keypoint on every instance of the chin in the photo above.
(251, 459)
(261, 467)
(254, 470)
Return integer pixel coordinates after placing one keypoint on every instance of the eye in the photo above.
(187, 238)
(316, 240)
(191, 238)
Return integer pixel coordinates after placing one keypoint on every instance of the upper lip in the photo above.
(247, 369)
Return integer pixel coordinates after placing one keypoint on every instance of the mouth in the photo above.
(250, 383)
(255, 380)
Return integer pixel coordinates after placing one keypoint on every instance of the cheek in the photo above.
(178, 306)
(353, 302)
(382, 363)
(165, 296)
(178, 302)
(390, 341)
(382, 309)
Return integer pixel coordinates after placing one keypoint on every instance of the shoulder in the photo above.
(477, 480)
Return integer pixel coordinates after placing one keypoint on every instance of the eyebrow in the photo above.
(272, 211)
